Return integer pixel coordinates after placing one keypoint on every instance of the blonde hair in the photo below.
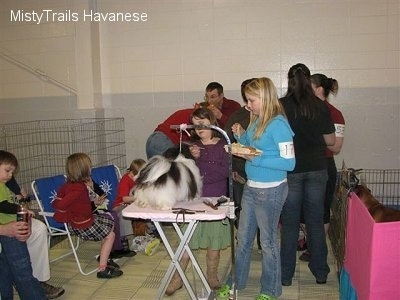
(78, 167)
(136, 165)
(264, 89)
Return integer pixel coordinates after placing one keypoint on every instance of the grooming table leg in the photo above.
(176, 257)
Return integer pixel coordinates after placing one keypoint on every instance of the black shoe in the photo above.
(109, 272)
(110, 263)
(286, 283)
(321, 281)
(121, 253)
(52, 292)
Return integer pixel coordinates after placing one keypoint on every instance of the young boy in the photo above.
(12, 248)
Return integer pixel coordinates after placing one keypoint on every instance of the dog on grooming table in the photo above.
(164, 181)
(378, 211)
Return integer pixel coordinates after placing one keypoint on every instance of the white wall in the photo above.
(143, 71)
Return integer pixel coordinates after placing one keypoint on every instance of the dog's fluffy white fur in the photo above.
(163, 182)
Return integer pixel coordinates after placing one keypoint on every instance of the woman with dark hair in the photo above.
(323, 86)
(314, 131)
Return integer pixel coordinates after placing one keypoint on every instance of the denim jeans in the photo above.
(157, 143)
(261, 207)
(307, 192)
(330, 189)
(16, 269)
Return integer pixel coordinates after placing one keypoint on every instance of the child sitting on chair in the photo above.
(37, 270)
(125, 192)
(100, 206)
(73, 206)
(140, 228)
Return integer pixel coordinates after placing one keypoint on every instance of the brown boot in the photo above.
(176, 281)
(212, 260)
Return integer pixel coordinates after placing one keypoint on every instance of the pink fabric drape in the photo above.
(372, 256)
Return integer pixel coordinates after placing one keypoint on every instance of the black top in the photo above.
(309, 143)
(241, 116)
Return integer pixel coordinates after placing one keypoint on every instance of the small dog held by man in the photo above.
(162, 182)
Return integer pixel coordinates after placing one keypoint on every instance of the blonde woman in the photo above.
(266, 188)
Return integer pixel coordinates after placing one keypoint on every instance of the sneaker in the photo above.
(51, 292)
(109, 272)
(146, 244)
(139, 243)
(265, 297)
(223, 292)
(305, 256)
(152, 247)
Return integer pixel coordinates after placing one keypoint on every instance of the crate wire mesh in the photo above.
(384, 185)
(42, 147)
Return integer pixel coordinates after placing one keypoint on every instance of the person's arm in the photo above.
(7, 207)
(337, 146)
(339, 133)
(329, 139)
(124, 190)
(97, 189)
(66, 199)
(283, 139)
(13, 185)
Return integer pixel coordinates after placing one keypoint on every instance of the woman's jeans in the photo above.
(307, 192)
(15, 268)
(261, 207)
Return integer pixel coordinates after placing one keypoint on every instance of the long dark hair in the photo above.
(330, 85)
(299, 87)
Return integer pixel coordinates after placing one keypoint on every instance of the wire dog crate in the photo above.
(42, 147)
(384, 185)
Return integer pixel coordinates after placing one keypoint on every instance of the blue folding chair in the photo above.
(107, 177)
(45, 191)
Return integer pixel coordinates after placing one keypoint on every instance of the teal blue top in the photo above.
(276, 144)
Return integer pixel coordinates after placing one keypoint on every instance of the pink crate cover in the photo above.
(372, 256)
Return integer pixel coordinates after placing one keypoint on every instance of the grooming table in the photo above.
(203, 213)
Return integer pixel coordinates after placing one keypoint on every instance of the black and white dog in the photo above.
(162, 182)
